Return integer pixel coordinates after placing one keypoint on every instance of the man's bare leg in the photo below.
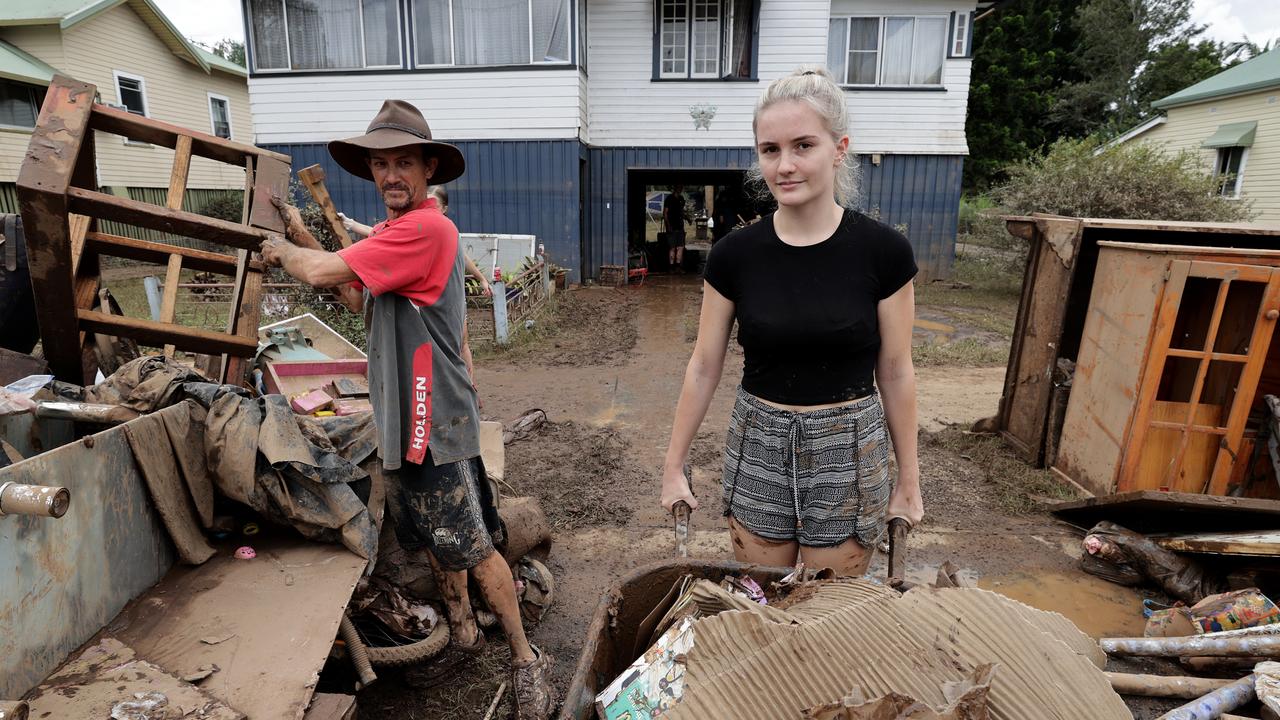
(453, 586)
(499, 590)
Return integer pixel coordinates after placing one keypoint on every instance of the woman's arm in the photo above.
(896, 378)
(355, 227)
(474, 272)
(700, 380)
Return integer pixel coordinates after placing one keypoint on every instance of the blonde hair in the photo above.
(814, 85)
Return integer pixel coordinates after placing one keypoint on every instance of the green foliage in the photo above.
(972, 208)
(229, 49)
(1131, 180)
(227, 206)
(1171, 68)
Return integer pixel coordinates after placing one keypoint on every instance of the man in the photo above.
(407, 278)
(673, 221)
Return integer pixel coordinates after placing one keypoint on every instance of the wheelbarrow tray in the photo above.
(611, 636)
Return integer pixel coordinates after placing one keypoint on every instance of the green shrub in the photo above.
(1131, 180)
(227, 206)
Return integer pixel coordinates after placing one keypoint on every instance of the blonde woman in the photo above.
(824, 302)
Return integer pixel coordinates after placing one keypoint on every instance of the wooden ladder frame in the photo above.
(61, 208)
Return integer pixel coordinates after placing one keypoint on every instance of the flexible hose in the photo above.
(359, 653)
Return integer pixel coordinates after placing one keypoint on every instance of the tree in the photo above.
(229, 49)
(1173, 67)
(1021, 58)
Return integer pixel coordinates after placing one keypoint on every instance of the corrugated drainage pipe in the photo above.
(358, 652)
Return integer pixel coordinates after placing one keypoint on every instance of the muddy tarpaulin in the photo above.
(293, 470)
(856, 635)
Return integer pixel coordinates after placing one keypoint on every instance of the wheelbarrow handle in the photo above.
(898, 529)
(681, 512)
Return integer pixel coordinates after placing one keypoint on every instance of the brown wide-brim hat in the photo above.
(397, 124)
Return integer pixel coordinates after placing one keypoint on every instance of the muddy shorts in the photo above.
(819, 477)
(448, 509)
(675, 239)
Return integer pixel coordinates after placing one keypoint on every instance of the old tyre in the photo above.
(413, 653)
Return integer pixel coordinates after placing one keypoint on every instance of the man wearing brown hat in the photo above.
(407, 277)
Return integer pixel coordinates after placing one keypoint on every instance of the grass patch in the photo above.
(968, 352)
(1014, 486)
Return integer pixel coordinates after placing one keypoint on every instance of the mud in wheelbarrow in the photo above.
(611, 636)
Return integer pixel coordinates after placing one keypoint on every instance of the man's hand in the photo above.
(290, 215)
(274, 248)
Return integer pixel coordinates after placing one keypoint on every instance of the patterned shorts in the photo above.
(819, 477)
(448, 509)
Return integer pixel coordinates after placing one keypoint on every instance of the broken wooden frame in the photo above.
(61, 209)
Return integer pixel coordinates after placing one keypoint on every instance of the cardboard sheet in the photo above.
(856, 635)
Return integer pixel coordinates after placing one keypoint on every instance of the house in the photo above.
(138, 60)
(572, 112)
(1233, 121)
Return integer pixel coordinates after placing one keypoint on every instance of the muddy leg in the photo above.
(848, 559)
(453, 586)
(749, 548)
(499, 590)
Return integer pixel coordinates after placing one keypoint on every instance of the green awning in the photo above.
(18, 65)
(1233, 135)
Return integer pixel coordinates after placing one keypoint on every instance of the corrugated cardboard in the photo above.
(857, 635)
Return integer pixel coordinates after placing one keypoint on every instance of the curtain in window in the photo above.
(17, 105)
(550, 30)
(898, 36)
(381, 33)
(269, 50)
(864, 46)
(582, 33)
(324, 34)
(706, 38)
(675, 37)
(491, 32)
(431, 27)
(739, 23)
(837, 35)
(221, 117)
(928, 52)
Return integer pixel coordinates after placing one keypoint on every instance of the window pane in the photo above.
(551, 30)
(17, 105)
(675, 37)
(324, 34)
(865, 34)
(962, 33)
(930, 48)
(431, 27)
(381, 32)
(1229, 160)
(862, 68)
(582, 33)
(491, 32)
(269, 52)
(706, 38)
(130, 94)
(221, 117)
(837, 36)
(738, 39)
(897, 51)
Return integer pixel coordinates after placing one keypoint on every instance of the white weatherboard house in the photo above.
(570, 111)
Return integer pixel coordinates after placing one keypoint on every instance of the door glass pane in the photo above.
(269, 51)
(1178, 379)
(898, 35)
(431, 28)
(491, 32)
(928, 51)
(837, 36)
(1220, 385)
(1191, 328)
(1239, 315)
(551, 31)
(324, 34)
(381, 32)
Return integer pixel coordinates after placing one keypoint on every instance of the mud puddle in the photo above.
(1097, 607)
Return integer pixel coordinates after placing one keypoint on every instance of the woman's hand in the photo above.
(906, 502)
(675, 487)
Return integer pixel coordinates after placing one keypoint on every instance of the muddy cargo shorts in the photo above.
(448, 509)
(819, 477)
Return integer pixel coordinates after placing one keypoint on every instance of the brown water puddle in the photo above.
(1097, 607)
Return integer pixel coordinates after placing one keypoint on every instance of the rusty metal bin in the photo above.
(611, 635)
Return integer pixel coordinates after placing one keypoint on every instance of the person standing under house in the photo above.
(824, 302)
(673, 223)
(407, 278)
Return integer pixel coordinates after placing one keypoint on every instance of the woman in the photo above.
(824, 304)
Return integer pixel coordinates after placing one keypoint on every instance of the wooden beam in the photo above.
(149, 130)
(78, 227)
(157, 334)
(158, 253)
(270, 179)
(178, 176)
(169, 301)
(154, 217)
(59, 137)
(312, 178)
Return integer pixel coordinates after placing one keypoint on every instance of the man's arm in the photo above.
(316, 269)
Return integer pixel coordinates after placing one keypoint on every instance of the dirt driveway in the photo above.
(608, 375)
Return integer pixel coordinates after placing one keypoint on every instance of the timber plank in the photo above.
(154, 217)
(178, 175)
(312, 177)
(169, 301)
(1265, 543)
(158, 253)
(155, 333)
(1148, 511)
(157, 132)
(270, 179)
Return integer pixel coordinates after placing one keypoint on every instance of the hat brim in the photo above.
(352, 154)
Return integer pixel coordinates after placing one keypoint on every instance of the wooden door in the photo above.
(1213, 330)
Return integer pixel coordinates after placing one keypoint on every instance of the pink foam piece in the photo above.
(311, 402)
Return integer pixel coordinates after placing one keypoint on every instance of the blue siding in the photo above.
(533, 187)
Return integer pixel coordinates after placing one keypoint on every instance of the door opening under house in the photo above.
(709, 203)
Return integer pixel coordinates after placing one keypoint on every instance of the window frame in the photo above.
(879, 85)
(1239, 180)
(960, 21)
(33, 92)
(723, 42)
(213, 126)
(142, 90)
(251, 45)
(568, 63)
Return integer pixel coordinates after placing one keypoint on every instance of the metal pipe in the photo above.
(13, 710)
(1213, 705)
(1178, 686)
(45, 501)
(85, 412)
(1195, 646)
(359, 654)
(151, 284)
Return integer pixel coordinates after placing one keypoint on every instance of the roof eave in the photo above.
(1173, 101)
(87, 12)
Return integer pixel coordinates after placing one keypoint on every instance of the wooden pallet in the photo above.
(61, 209)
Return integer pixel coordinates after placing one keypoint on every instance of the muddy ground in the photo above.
(607, 370)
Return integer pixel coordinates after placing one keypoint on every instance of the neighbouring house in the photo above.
(138, 60)
(1233, 121)
(574, 114)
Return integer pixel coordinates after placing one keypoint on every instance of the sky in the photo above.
(208, 21)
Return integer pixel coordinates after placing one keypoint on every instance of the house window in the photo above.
(491, 32)
(960, 35)
(20, 104)
(131, 92)
(898, 51)
(220, 115)
(705, 39)
(1229, 170)
(325, 34)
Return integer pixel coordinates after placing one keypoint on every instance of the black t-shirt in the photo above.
(674, 205)
(806, 316)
